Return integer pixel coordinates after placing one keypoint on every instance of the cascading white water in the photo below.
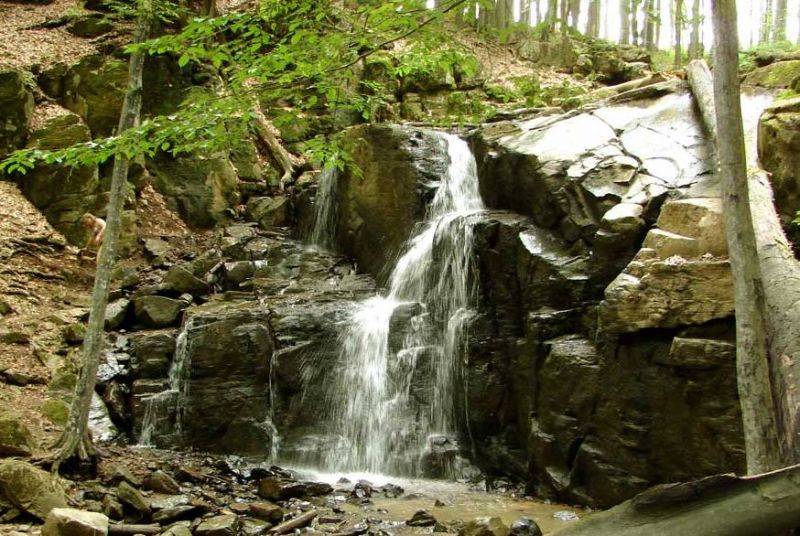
(324, 231)
(401, 392)
(173, 400)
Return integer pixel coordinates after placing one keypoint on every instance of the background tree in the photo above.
(678, 20)
(781, 20)
(625, 22)
(695, 42)
(594, 18)
(767, 19)
(650, 16)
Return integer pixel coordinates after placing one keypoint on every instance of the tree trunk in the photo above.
(279, 155)
(593, 23)
(678, 32)
(525, 12)
(574, 13)
(722, 505)
(780, 20)
(723, 119)
(658, 24)
(649, 25)
(625, 22)
(755, 387)
(76, 440)
(766, 23)
(695, 44)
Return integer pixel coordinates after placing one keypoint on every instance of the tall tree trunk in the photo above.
(525, 12)
(636, 37)
(649, 25)
(695, 44)
(76, 440)
(762, 447)
(781, 20)
(564, 16)
(658, 24)
(625, 22)
(593, 24)
(755, 388)
(504, 12)
(678, 33)
(574, 13)
(766, 22)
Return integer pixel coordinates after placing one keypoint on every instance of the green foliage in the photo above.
(501, 93)
(296, 56)
(567, 94)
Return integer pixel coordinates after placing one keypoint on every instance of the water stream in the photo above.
(172, 401)
(400, 349)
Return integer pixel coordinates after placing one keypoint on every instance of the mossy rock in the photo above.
(56, 411)
(31, 489)
(95, 89)
(62, 194)
(779, 75)
(90, 25)
(16, 110)
(15, 437)
(441, 77)
(63, 381)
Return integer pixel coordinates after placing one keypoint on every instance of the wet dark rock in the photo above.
(181, 280)
(112, 508)
(176, 513)
(267, 511)
(188, 474)
(268, 212)
(525, 526)
(157, 311)
(116, 312)
(90, 25)
(120, 473)
(152, 352)
(224, 525)
(378, 209)
(132, 497)
(392, 491)
(16, 110)
(421, 518)
(161, 482)
(278, 489)
(484, 526)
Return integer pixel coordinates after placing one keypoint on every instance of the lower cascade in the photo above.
(400, 349)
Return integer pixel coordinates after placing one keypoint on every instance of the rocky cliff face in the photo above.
(602, 358)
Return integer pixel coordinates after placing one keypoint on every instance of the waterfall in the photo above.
(169, 404)
(323, 234)
(400, 350)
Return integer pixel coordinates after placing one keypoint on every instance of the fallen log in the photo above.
(122, 529)
(295, 523)
(780, 272)
(610, 91)
(281, 157)
(722, 505)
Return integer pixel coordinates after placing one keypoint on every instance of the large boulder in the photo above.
(16, 110)
(63, 194)
(385, 194)
(198, 187)
(778, 75)
(72, 522)
(779, 154)
(31, 489)
(15, 437)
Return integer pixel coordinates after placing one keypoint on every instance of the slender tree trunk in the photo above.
(593, 25)
(678, 33)
(781, 20)
(658, 24)
(766, 22)
(649, 25)
(574, 13)
(625, 22)
(635, 35)
(762, 447)
(76, 440)
(695, 44)
(525, 12)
